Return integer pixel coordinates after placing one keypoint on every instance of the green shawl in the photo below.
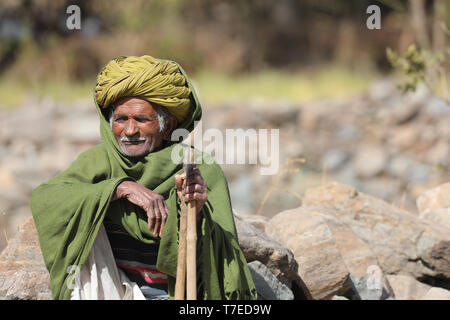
(69, 209)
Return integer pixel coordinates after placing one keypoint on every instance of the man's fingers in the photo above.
(195, 196)
(180, 195)
(163, 223)
(179, 179)
(193, 174)
(194, 179)
(158, 219)
(195, 188)
(151, 218)
(153, 204)
(195, 192)
(163, 212)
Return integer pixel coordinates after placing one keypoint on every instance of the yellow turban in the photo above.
(157, 81)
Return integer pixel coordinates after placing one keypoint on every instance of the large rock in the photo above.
(274, 114)
(258, 221)
(407, 288)
(373, 286)
(401, 241)
(404, 136)
(339, 298)
(402, 110)
(404, 168)
(334, 159)
(433, 199)
(80, 127)
(437, 294)
(332, 259)
(23, 275)
(439, 217)
(320, 263)
(439, 154)
(256, 245)
(267, 285)
(366, 277)
(26, 118)
(370, 161)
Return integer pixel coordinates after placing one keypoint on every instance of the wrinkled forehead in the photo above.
(133, 105)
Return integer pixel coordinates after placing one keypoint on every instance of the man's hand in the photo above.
(151, 202)
(196, 190)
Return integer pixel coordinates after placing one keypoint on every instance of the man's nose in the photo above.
(131, 128)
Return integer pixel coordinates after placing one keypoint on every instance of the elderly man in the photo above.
(108, 225)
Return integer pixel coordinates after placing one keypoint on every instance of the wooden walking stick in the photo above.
(187, 247)
(191, 238)
(181, 265)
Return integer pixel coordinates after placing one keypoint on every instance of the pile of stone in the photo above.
(365, 237)
(383, 143)
(340, 244)
(23, 275)
(38, 141)
(350, 245)
(354, 245)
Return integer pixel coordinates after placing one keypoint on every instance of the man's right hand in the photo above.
(151, 202)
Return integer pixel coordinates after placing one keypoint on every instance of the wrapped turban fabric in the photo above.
(157, 81)
(69, 209)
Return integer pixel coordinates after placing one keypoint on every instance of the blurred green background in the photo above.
(297, 50)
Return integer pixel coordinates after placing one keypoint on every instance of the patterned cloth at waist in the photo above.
(137, 260)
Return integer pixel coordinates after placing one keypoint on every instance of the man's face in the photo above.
(136, 128)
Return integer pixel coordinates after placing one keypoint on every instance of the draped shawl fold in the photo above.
(69, 209)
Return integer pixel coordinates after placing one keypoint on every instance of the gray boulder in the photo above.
(407, 288)
(436, 293)
(321, 265)
(256, 245)
(267, 285)
(373, 286)
(400, 240)
(23, 275)
(279, 259)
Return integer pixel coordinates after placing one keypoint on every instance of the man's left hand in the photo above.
(196, 190)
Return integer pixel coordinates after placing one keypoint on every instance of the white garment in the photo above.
(100, 279)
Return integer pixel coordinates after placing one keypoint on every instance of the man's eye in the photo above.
(119, 119)
(143, 119)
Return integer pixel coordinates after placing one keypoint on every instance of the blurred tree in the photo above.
(240, 35)
(428, 61)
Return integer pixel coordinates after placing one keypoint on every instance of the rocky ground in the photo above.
(381, 231)
(341, 244)
(385, 144)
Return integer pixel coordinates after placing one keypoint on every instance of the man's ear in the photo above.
(170, 126)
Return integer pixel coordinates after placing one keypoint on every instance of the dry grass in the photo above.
(214, 87)
(4, 227)
(288, 168)
(327, 81)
